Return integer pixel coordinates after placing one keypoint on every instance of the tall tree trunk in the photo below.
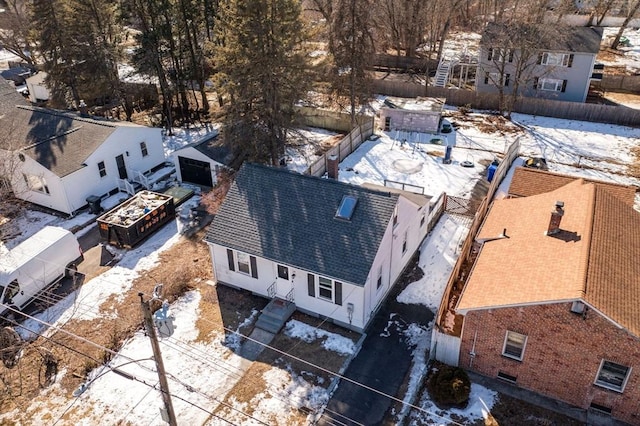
(630, 16)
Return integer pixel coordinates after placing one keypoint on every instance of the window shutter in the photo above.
(486, 77)
(535, 83)
(338, 288)
(490, 55)
(511, 55)
(230, 258)
(506, 79)
(254, 266)
(311, 285)
(570, 61)
(564, 86)
(540, 58)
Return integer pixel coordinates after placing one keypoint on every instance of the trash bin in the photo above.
(492, 170)
(94, 204)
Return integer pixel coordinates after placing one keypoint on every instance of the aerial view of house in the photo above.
(561, 318)
(320, 212)
(331, 249)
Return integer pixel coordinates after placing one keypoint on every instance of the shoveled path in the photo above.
(382, 364)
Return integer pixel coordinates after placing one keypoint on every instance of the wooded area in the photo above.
(255, 58)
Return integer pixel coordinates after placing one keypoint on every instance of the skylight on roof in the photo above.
(347, 206)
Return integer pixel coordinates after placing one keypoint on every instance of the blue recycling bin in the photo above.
(491, 171)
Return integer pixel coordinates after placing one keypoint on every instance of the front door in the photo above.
(122, 168)
(283, 280)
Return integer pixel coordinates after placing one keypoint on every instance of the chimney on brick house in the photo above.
(556, 217)
(332, 167)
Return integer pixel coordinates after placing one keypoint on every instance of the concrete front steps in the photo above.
(275, 314)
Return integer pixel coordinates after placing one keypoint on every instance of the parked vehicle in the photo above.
(35, 266)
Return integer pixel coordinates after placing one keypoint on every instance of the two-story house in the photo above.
(545, 61)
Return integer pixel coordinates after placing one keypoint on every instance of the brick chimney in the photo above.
(556, 217)
(332, 167)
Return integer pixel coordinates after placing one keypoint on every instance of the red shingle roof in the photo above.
(593, 258)
(527, 182)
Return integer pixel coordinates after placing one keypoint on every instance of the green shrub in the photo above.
(449, 386)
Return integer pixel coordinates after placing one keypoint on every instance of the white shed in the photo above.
(411, 115)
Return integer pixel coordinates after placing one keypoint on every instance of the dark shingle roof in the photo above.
(59, 141)
(550, 37)
(214, 148)
(289, 218)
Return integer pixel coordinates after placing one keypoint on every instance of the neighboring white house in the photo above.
(201, 161)
(333, 249)
(57, 159)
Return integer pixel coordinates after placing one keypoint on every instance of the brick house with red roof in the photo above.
(552, 303)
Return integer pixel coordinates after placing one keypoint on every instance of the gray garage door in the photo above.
(195, 171)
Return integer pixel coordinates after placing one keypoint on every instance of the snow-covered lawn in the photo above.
(204, 372)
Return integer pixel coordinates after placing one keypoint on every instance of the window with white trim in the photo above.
(36, 183)
(612, 375)
(550, 84)
(514, 344)
(102, 169)
(325, 288)
(143, 149)
(556, 59)
(379, 282)
(244, 263)
(496, 79)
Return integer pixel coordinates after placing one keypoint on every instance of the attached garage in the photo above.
(198, 163)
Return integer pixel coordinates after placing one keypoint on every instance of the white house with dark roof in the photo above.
(321, 246)
(57, 159)
(200, 162)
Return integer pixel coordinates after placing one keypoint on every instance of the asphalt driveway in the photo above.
(382, 364)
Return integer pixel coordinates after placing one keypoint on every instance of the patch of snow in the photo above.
(332, 342)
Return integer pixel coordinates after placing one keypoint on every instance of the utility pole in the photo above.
(157, 356)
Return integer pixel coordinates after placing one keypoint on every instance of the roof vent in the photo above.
(347, 206)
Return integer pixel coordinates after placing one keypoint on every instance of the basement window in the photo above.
(347, 206)
(507, 377)
(600, 408)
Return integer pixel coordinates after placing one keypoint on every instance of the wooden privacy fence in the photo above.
(490, 101)
(619, 82)
(342, 149)
(332, 120)
(443, 354)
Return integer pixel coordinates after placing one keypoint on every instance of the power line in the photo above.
(131, 377)
(342, 377)
(283, 353)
